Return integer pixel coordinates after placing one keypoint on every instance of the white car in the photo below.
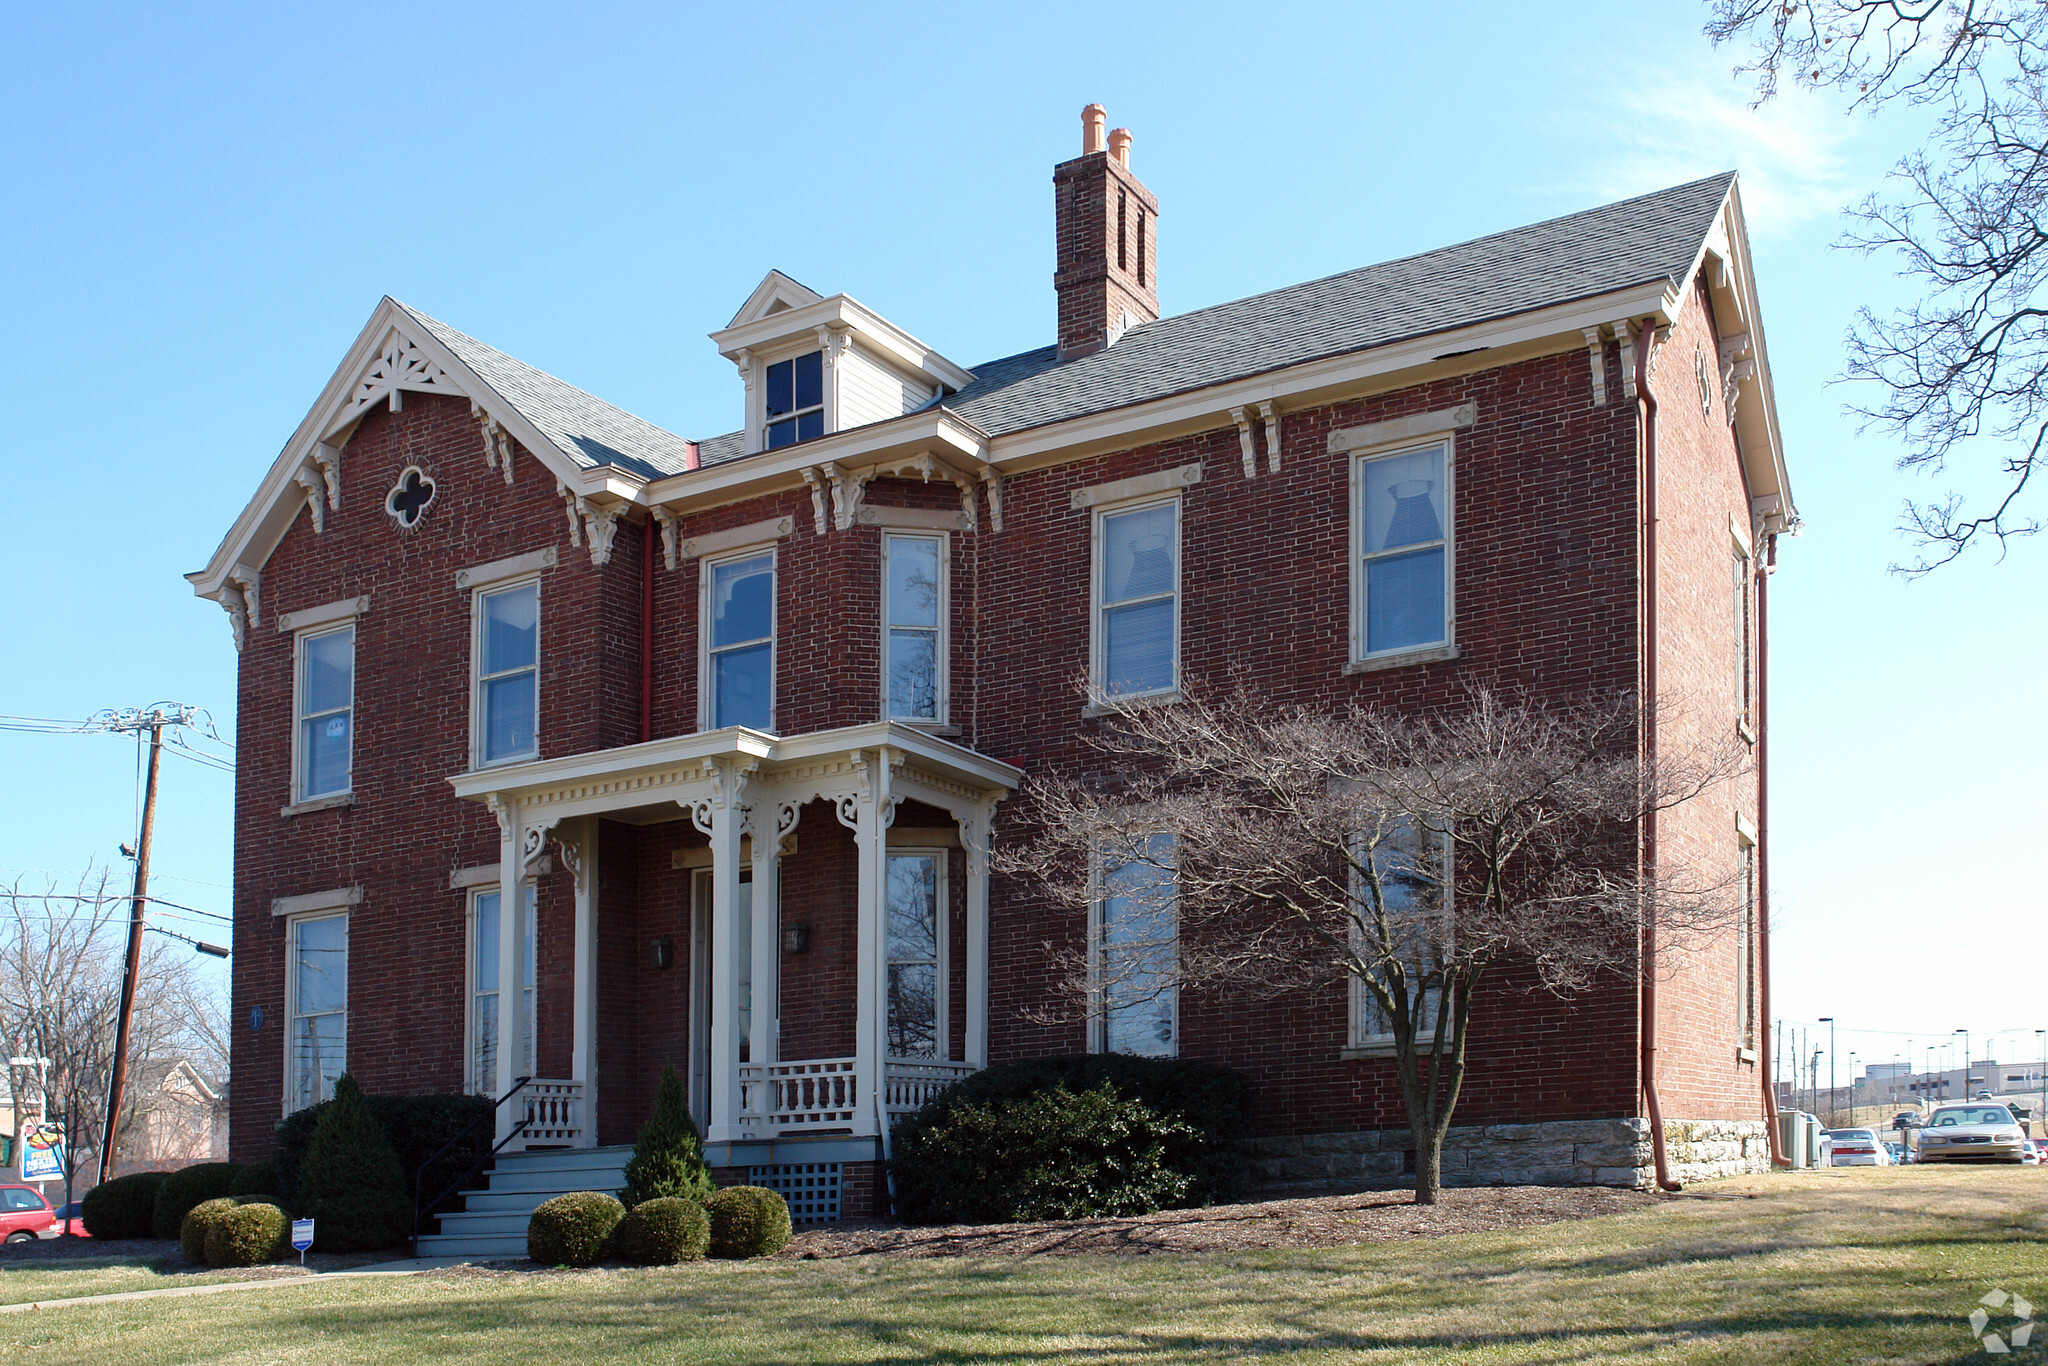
(1982, 1132)
(1856, 1148)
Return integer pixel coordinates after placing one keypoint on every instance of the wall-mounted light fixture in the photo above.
(662, 952)
(796, 938)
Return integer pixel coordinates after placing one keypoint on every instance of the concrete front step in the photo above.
(487, 1249)
(492, 1226)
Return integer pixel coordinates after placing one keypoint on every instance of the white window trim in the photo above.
(469, 989)
(1748, 935)
(499, 572)
(330, 613)
(306, 903)
(757, 392)
(1098, 989)
(1098, 642)
(291, 991)
(476, 665)
(705, 566)
(1447, 648)
(1745, 633)
(301, 800)
(941, 911)
(1358, 996)
(942, 648)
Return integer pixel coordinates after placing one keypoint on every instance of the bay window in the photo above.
(914, 629)
(916, 894)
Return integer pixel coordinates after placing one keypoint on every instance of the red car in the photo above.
(72, 1214)
(24, 1215)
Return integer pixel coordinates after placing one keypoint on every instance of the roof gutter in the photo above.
(1646, 338)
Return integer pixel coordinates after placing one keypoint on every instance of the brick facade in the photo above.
(1549, 573)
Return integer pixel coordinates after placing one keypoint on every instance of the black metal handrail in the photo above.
(420, 1210)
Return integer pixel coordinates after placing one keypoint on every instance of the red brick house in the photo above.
(740, 714)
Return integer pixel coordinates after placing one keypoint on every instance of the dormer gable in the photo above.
(812, 365)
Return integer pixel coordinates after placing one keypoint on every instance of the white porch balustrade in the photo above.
(736, 785)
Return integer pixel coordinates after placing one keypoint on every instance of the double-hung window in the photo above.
(485, 926)
(1136, 935)
(1745, 947)
(1403, 525)
(1741, 635)
(739, 642)
(326, 694)
(915, 666)
(507, 654)
(1137, 592)
(317, 1037)
(795, 407)
(1413, 868)
(916, 954)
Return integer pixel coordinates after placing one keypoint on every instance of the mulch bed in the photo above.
(1302, 1222)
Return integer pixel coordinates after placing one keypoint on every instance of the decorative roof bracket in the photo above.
(1246, 442)
(1271, 416)
(1596, 352)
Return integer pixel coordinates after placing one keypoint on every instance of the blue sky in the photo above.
(205, 204)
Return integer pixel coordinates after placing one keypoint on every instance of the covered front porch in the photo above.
(740, 797)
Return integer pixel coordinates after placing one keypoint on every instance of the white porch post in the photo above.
(581, 856)
(977, 837)
(721, 819)
(511, 999)
(776, 820)
(862, 813)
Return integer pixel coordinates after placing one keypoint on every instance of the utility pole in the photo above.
(1833, 1102)
(154, 722)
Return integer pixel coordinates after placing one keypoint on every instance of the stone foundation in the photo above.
(1593, 1152)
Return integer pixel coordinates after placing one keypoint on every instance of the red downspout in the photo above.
(647, 633)
(1763, 844)
(1648, 409)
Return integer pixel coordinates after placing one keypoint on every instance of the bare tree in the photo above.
(61, 963)
(1270, 851)
(1969, 358)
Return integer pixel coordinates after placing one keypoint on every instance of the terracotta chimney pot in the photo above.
(1092, 120)
(1120, 146)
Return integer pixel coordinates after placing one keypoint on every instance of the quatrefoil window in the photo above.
(410, 497)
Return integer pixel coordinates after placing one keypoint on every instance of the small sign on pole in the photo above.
(42, 1153)
(302, 1237)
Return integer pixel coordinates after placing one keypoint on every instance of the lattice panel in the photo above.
(810, 1188)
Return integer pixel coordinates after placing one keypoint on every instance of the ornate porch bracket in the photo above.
(1246, 441)
(1270, 415)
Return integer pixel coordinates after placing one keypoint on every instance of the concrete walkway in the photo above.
(407, 1267)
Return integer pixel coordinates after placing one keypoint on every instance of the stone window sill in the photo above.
(318, 804)
(1745, 1055)
(1361, 1051)
(1434, 654)
(1743, 729)
(1150, 699)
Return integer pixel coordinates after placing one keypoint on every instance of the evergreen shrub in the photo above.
(573, 1229)
(247, 1235)
(1055, 1154)
(254, 1178)
(124, 1207)
(668, 1156)
(663, 1231)
(1213, 1107)
(418, 1127)
(198, 1221)
(183, 1189)
(350, 1183)
(747, 1221)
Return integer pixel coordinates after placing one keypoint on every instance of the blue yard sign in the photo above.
(302, 1237)
(42, 1153)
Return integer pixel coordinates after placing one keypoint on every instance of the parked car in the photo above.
(70, 1219)
(1900, 1153)
(24, 1215)
(1972, 1133)
(1906, 1119)
(2030, 1153)
(1856, 1148)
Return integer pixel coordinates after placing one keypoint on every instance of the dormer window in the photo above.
(796, 400)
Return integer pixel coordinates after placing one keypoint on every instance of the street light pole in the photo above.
(2042, 1035)
(1829, 1021)
(1966, 1062)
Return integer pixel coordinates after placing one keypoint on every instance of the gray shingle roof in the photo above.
(1637, 241)
(586, 428)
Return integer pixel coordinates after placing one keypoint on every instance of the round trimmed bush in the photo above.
(573, 1229)
(1058, 1154)
(197, 1222)
(664, 1231)
(183, 1189)
(124, 1207)
(747, 1221)
(255, 1178)
(247, 1235)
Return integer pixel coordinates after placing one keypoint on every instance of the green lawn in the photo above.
(1864, 1266)
(23, 1282)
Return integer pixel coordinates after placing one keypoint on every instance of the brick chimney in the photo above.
(1107, 225)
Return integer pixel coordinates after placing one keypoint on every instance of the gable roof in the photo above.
(583, 427)
(1580, 256)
